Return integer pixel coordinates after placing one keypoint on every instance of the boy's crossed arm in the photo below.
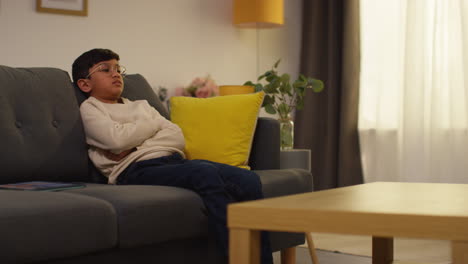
(116, 157)
(116, 140)
(106, 134)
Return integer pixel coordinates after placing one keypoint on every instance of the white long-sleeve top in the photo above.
(123, 126)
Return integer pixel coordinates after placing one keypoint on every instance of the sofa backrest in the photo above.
(41, 133)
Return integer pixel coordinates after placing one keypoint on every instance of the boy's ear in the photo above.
(84, 85)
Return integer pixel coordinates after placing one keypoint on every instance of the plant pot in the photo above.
(286, 132)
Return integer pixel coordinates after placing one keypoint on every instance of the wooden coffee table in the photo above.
(382, 210)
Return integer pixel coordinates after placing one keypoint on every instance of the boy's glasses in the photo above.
(108, 69)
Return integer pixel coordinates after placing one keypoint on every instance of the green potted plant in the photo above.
(282, 97)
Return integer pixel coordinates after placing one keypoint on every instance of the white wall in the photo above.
(170, 42)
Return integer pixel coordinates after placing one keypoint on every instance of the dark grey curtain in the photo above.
(328, 123)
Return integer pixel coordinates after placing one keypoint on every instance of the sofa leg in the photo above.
(288, 255)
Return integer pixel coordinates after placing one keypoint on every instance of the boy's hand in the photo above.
(117, 157)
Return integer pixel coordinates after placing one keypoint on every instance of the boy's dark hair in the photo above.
(82, 64)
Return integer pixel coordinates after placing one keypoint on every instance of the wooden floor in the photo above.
(325, 257)
(407, 249)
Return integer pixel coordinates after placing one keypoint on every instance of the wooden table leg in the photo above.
(288, 255)
(244, 246)
(312, 252)
(459, 252)
(382, 250)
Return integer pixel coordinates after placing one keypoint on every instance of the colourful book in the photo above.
(41, 186)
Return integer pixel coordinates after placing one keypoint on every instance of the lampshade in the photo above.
(258, 13)
(235, 89)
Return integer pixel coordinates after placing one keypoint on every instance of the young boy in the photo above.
(131, 143)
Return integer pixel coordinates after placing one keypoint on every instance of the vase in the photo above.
(286, 132)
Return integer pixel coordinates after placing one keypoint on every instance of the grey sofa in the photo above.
(42, 138)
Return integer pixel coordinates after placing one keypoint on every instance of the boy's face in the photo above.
(104, 81)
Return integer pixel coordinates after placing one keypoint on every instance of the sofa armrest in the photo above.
(285, 182)
(265, 152)
(282, 182)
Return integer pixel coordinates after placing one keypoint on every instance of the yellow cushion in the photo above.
(220, 128)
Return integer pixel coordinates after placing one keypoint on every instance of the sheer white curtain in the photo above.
(413, 120)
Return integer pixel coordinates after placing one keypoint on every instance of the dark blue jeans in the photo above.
(217, 184)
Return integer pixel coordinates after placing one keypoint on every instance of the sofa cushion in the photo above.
(37, 226)
(219, 129)
(40, 126)
(152, 214)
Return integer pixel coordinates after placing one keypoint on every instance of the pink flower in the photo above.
(198, 82)
(211, 85)
(203, 92)
(199, 87)
(179, 91)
